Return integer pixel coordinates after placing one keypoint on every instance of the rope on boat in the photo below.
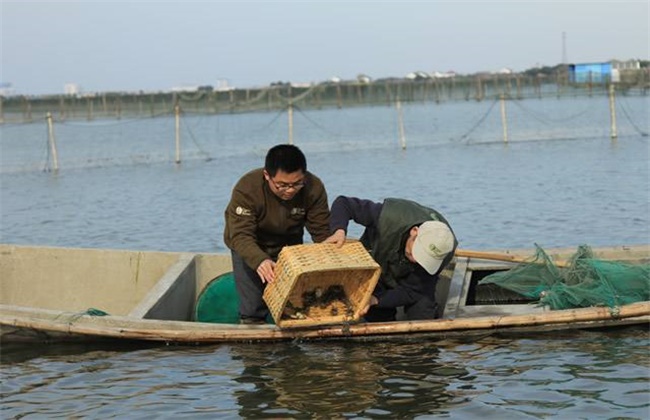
(94, 312)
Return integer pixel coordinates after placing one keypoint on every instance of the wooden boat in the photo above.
(46, 294)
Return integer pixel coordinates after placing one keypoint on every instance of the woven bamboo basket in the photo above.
(319, 284)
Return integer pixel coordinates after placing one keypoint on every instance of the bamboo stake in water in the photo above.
(400, 121)
(612, 110)
(29, 110)
(89, 102)
(52, 141)
(339, 99)
(62, 109)
(177, 112)
(104, 104)
(290, 112)
(504, 120)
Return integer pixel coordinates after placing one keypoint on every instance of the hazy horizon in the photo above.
(156, 46)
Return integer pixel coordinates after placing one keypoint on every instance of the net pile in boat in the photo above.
(319, 284)
(586, 282)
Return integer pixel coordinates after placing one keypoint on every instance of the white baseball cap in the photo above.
(432, 244)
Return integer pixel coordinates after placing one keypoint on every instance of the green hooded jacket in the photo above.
(386, 243)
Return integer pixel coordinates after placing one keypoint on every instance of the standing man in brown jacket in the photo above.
(269, 209)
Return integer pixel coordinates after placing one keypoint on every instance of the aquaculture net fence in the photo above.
(191, 131)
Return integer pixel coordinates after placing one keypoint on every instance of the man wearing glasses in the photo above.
(270, 207)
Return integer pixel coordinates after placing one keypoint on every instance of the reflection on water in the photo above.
(343, 379)
(595, 374)
(13, 353)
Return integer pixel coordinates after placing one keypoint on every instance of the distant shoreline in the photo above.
(282, 96)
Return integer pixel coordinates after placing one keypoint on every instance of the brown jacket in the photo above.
(259, 223)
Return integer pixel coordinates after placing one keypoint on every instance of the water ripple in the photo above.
(601, 374)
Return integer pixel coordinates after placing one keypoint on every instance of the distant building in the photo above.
(223, 85)
(187, 88)
(619, 68)
(6, 89)
(626, 65)
(72, 89)
(363, 78)
(590, 72)
(418, 75)
(446, 75)
(300, 84)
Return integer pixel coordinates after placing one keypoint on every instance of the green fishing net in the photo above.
(587, 281)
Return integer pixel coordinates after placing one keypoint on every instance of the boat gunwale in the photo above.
(197, 332)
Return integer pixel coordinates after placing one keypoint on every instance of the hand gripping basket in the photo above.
(318, 284)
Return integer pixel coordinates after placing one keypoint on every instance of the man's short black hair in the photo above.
(285, 157)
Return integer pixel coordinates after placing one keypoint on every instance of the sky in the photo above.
(158, 45)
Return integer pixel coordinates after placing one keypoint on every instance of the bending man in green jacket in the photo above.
(412, 244)
(269, 209)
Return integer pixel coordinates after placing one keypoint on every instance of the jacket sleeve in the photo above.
(363, 212)
(241, 220)
(318, 215)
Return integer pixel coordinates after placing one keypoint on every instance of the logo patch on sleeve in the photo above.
(242, 211)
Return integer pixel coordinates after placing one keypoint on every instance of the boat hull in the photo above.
(28, 324)
(166, 286)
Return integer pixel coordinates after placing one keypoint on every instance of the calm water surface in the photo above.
(576, 375)
(560, 181)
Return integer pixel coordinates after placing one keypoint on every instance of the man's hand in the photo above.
(266, 271)
(337, 238)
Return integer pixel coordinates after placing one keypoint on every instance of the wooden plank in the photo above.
(172, 297)
(454, 299)
(176, 331)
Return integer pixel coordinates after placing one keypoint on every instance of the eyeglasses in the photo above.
(283, 186)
